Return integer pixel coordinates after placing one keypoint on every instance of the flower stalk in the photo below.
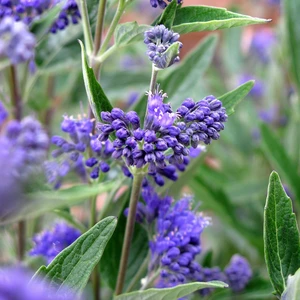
(135, 195)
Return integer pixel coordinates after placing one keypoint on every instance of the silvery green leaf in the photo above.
(292, 291)
(176, 292)
(72, 267)
(203, 18)
(281, 235)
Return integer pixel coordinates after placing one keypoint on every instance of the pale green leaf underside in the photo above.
(171, 293)
(281, 236)
(130, 32)
(41, 202)
(292, 291)
(200, 18)
(74, 265)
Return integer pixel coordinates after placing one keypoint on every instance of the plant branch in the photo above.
(88, 39)
(135, 195)
(153, 79)
(99, 26)
(114, 23)
(15, 94)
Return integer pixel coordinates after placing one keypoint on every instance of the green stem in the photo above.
(21, 240)
(88, 40)
(99, 26)
(15, 93)
(135, 195)
(106, 54)
(153, 79)
(114, 23)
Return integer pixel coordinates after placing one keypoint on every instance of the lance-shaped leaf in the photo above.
(291, 17)
(168, 16)
(72, 267)
(281, 236)
(37, 203)
(169, 55)
(200, 18)
(171, 293)
(97, 98)
(233, 98)
(130, 32)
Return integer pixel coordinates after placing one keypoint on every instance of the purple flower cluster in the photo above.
(177, 242)
(16, 42)
(49, 243)
(163, 145)
(70, 11)
(238, 273)
(162, 4)
(24, 10)
(158, 39)
(15, 283)
(27, 10)
(73, 152)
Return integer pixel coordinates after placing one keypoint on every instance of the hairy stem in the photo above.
(135, 195)
(17, 112)
(114, 23)
(153, 79)
(99, 26)
(88, 40)
(15, 94)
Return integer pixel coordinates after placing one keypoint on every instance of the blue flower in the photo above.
(70, 11)
(158, 39)
(16, 42)
(71, 155)
(3, 114)
(50, 243)
(162, 146)
(238, 273)
(16, 283)
(161, 3)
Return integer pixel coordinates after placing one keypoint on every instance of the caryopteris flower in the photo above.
(16, 283)
(51, 242)
(162, 146)
(82, 152)
(158, 39)
(161, 3)
(69, 12)
(16, 42)
(238, 273)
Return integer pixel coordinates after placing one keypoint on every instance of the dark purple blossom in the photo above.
(238, 273)
(70, 153)
(15, 283)
(69, 14)
(161, 3)
(16, 42)
(158, 39)
(51, 242)
(163, 145)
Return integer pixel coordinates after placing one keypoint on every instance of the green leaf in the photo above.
(292, 290)
(291, 17)
(279, 158)
(97, 98)
(281, 236)
(73, 266)
(171, 293)
(233, 98)
(202, 18)
(168, 16)
(171, 53)
(41, 202)
(130, 32)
